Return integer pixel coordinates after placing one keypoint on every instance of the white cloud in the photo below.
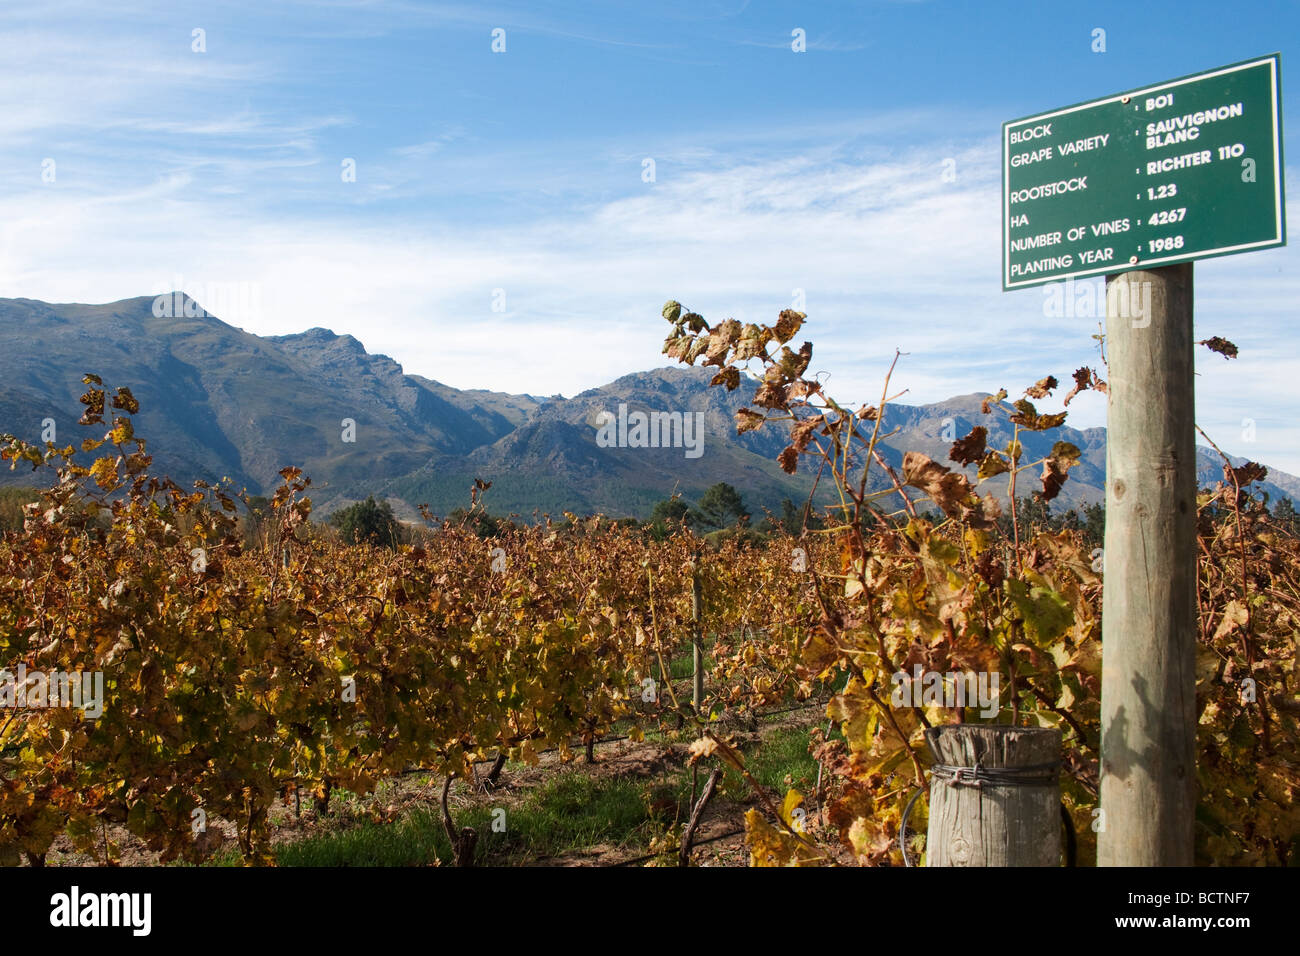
(854, 213)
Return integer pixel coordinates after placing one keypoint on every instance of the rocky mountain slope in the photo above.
(217, 401)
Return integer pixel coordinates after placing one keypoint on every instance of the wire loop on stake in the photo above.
(1039, 775)
(902, 829)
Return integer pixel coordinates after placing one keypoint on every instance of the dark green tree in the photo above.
(669, 515)
(479, 522)
(792, 518)
(670, 511)
(368, 520)
(722, 506)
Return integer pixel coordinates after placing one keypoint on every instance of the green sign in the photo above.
(1184, 170)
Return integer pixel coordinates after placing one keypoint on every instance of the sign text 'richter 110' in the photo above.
(1183, 170)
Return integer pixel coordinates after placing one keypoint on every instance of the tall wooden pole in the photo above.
(1148, 684)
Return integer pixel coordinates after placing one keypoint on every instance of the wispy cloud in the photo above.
(822, 43)
(179, 168)
(884, 251)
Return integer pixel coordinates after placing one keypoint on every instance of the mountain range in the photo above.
(217, 401)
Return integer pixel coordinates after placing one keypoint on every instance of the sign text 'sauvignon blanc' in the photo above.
(1184, 170)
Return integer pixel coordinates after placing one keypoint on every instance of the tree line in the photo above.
(719, 513)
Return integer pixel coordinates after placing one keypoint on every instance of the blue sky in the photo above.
(522, 172)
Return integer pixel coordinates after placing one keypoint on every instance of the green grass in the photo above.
(415, 840)
(683, 665)
(228, 855)
(568, 812)
(573, 810)
(783, 753)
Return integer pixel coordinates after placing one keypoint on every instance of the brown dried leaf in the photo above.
(1067, 452)
(1234, 616)
(729, 377)
(946, 488)
(1028, 417)
(1221, 345)
(94, 402)
(770, 395)
(1056, 467)
(788, 324)
(751, 342)
(747, 420)
(802, 432)
(717, 350)
(971, 448)
(794, 364)
(126, 401)
(729, 329)
(1245, 474)
(1085, 378)
(982, 512)
(988, 403)
(1042, 388)
(697, 348)
(993, 464)
(1053, 478)
(990, 569)
(701, 748)
(676, 346)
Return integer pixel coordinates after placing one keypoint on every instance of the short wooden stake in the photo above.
(995, 796)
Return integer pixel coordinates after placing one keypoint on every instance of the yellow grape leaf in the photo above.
(1047, 615)
(1086, 658)
(793, 800)
(860, 837)
(766, 846)
(1060, 652)
(1067, 698)
(104, 471)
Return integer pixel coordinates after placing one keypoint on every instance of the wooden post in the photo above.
(1005, 809)
(1148, 683)
(697, 647)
